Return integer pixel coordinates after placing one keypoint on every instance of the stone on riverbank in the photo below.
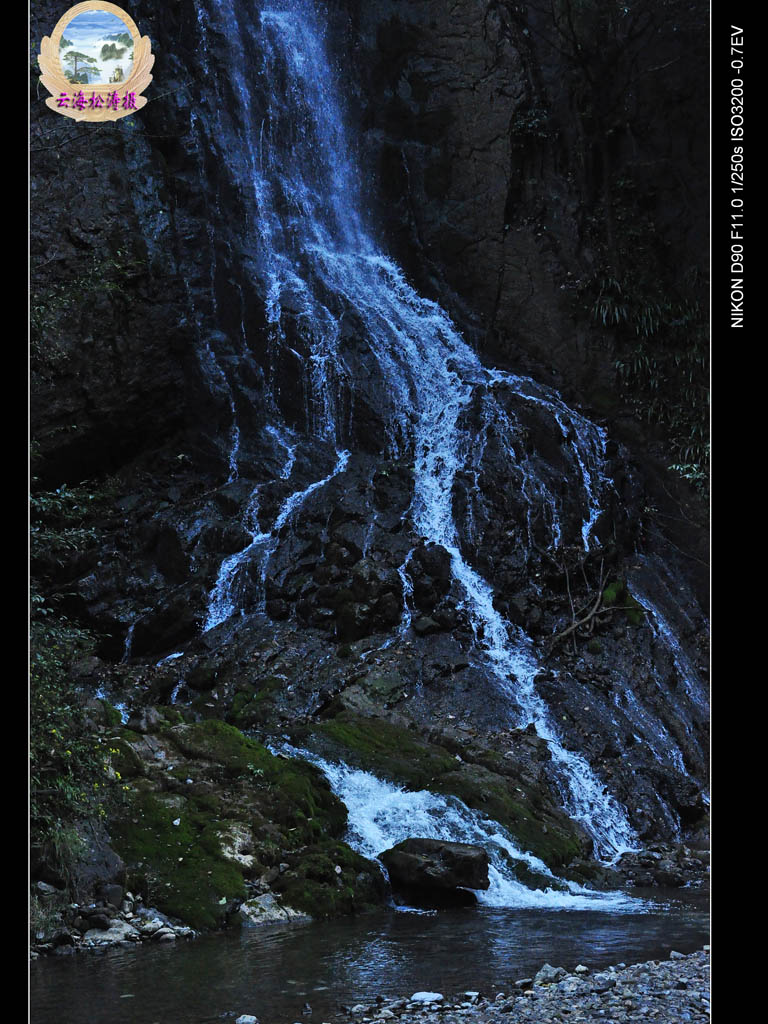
(436, 864)
(118, 931)
(549, 975)
(266, 910)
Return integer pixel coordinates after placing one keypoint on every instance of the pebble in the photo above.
(548, 975)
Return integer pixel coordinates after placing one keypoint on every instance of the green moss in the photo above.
(130, 735)
(294, 791)
(241, 701)
(315, 885)
(112, 717)
(171, 715)
(288, 805)
(216, 741)
(180, 867)
(635, 612)
(542, 832)
(377, 745)
(211, 804)
(384, 685)
(251, 706)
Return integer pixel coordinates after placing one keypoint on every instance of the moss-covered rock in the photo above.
(125, 760)
(331, 880)
(383, 747)
(209, 809)
(176, 860)
(251, 704)
(112, 716)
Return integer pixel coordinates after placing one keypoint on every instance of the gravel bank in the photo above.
(673, 991)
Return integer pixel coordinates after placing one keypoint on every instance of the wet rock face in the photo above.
(448, 85)
(476, 141)
(110, 335)
(333, 639)
(506, 177)
(109, 342)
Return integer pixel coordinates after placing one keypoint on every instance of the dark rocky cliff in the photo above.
(513, 176)
(546, 166)
(515, 173)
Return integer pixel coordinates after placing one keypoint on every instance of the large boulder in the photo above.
(265, 909)
(435, 864)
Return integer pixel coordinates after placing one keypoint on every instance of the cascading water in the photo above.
(223, 600)
(694, 690)
(382, 815)
(317, 263)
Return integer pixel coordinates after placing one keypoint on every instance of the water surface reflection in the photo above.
(273, 973)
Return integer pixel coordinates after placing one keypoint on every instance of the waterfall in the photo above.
(382, 814)
(316, 260)
(128, 643)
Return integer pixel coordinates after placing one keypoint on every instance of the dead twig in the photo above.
(593, 608)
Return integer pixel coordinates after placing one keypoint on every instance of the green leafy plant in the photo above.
(71, 780)
(662, 367)
(59, 522)
(69, 776)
